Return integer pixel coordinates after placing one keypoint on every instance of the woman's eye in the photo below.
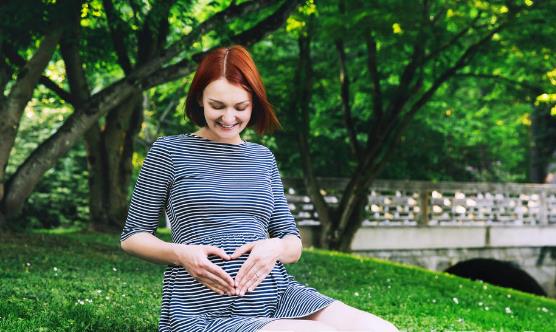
(220, 107)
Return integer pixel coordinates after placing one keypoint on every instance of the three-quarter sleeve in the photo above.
(281, 221)
(150, 192)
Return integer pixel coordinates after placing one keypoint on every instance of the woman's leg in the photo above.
(346, 318)
(297, 325)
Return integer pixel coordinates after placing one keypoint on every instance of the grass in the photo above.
(74, 281)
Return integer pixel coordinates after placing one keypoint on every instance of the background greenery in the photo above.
(473, 129)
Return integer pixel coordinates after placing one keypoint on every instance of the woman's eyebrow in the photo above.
(218, 101)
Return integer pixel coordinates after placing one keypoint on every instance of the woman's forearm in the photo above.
(291, 249)
(151, 248)
(147, 246)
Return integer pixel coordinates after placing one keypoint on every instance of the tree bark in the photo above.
(12, 107)
(542, 148)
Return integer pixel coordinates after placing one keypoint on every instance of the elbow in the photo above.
(123, 245)
(299, 251)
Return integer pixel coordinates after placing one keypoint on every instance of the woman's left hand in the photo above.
(263, 257)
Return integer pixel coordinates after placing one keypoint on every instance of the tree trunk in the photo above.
(543, 136)
(110, 154)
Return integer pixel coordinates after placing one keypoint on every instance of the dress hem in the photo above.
(271, 319)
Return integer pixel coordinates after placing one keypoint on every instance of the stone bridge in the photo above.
(500, 233)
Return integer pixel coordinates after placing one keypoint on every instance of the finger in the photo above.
(214, 287)
(212, 250)
(247, 266)
(219, 276)
(209, 279)
(254, 282)
(207, 282)
(249, 276)
(241, 250)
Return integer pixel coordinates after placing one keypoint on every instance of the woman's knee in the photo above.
(297, 325)
(344, 317)
(378, 324)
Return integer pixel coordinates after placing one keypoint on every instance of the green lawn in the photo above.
(60, 281)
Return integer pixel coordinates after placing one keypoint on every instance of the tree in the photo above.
(155, 65)
(412, 50)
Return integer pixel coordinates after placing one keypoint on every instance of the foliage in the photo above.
(61, 198)
(473, 129)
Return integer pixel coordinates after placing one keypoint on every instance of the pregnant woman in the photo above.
(232, 230)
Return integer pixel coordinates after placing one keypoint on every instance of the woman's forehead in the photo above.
(223, 91)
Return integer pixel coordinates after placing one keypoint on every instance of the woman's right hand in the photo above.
(194, 258)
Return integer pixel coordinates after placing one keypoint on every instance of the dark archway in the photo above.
(498, 273)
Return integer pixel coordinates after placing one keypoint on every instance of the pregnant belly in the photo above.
(191, 297)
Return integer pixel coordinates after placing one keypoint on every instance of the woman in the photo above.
(232, 231)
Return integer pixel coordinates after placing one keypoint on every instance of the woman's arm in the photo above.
(149, 247)
(291, 249)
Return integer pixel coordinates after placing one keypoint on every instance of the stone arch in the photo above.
(496, 272)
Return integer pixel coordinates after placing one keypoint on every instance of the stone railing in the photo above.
(444, 203)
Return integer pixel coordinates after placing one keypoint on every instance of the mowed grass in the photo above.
(76, 281)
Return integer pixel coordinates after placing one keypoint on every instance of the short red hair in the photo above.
(235, 64)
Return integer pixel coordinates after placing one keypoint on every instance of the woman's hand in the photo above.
(194, 259)
(263, 257)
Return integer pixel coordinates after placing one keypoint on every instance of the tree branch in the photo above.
(117, 33)
(231, 12)
(246, 38)
(150, 39)
(18, 61)
(535, 89)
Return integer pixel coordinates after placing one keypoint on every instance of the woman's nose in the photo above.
(229, 115)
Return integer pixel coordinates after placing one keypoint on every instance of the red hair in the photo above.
(235, 64)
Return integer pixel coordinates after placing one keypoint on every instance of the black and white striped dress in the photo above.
(224, 195)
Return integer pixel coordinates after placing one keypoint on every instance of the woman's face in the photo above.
(227, 110)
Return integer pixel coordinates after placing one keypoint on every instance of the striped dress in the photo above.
(225, 195)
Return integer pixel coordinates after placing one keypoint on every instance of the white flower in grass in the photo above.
(544, 309)
(480, 304)
(508, 310)
(461, 320)
(356, 293)
(114, 269)
(80, 301)
(99, 291)
(28, 264)
(485, 287)
(456, 301)
(509, 296)
(55, 268)
(487, 308)
(433, 300)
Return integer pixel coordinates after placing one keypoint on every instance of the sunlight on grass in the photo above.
(82, 281)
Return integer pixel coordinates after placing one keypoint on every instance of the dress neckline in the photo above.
(243, 143)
